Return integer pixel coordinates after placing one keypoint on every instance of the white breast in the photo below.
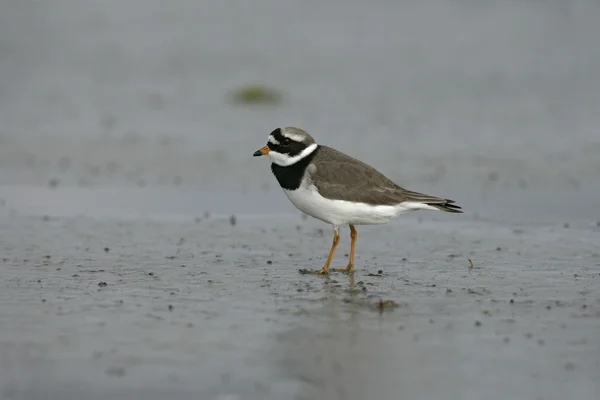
(340, 212)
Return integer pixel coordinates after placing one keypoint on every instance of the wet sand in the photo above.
(117, 136)
(213, 307)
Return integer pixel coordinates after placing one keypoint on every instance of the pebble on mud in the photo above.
(106, 249)
(269, 262)
(386, 305)
(102, 284)
(117, 372)
(53, 183)
(569, 366)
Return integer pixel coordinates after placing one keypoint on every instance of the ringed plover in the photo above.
(338, 189)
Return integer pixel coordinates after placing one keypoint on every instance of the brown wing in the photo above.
(341, 177)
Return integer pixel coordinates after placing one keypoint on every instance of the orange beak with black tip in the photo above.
(261, 152)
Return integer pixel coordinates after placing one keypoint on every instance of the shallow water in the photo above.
(122, 162)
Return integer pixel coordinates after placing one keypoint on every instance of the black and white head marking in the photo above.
(289, 145)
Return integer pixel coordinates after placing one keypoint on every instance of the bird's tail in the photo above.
(426, 202)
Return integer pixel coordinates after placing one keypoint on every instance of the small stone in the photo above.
(380, 272)
(569, 366)
(386, 304)
(117, 372)
(106, 249)
(53, 183)
(269, 262)
(102, 284)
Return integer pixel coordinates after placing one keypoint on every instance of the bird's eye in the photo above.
(285, 142)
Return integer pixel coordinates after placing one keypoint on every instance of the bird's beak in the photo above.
(261, 152)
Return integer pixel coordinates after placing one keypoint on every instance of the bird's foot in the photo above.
(321, 271)
(348, 269)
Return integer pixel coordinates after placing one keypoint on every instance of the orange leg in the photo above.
(353, 236)
(336, 241)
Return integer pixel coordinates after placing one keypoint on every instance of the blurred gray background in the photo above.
(121, 108)
(445, 96)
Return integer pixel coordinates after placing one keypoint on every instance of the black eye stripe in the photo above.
(293, 149)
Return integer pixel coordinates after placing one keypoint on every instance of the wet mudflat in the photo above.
(117, 134)
(213, 307)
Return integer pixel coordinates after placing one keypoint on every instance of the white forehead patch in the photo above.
(273, 140)
(285, 160)
(293, 136)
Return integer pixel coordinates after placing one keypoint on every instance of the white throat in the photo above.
(285, 160)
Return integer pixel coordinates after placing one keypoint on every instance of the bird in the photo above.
(338, 189)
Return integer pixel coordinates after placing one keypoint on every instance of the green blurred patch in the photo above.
(256, 94)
